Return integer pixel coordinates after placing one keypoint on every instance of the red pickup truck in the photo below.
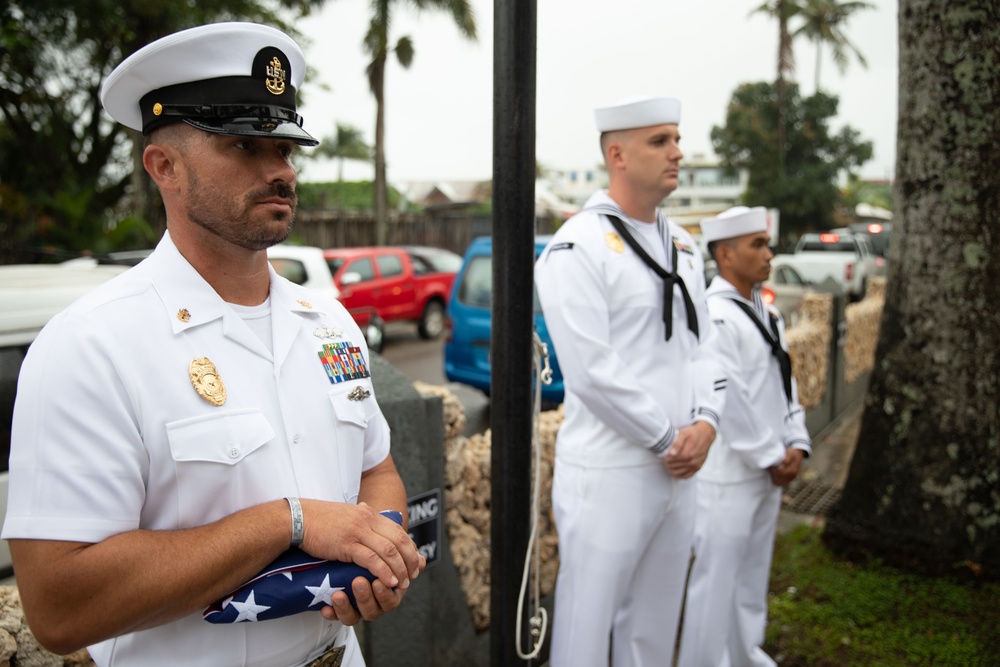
(394, 283)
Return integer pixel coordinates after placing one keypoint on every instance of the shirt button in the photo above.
(296, 438)
(234, 452)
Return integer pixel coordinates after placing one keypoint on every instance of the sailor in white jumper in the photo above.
(623, 293)
(762, 441)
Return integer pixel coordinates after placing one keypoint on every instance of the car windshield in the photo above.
(476, 288)
(292, 269)
(429, 260)
(477, 283)
(880, 243)
(335, 263)
(786, 275)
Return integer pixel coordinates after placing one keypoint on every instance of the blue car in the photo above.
(467, 349)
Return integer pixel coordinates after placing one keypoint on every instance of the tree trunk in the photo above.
(381, 187)
(786, 65)
(819, 59)
(923, 492)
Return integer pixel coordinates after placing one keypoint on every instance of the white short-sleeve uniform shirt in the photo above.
(110, 434)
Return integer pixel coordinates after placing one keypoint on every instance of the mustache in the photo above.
(282, 190)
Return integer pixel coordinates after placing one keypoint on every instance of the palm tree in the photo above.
(377, 45)
(783, 10)
(824, 21)
(348, 144)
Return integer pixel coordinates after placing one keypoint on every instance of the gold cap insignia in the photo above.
(358, 394)
(206, 381)
(303, 303)
(275, 80)
(183, 315)
(157, 109)
(614, 242)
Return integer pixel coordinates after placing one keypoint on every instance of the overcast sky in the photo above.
(590, 53)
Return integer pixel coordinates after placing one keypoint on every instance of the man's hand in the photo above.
(373, 599)
(783, 473)
(358, 534)
(690, 449)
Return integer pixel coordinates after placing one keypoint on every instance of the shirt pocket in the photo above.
(219, 466)
(352, 415)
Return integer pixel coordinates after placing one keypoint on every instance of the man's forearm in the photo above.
(75, 594)
(382, 489)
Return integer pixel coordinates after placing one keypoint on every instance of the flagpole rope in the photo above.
(539, 619)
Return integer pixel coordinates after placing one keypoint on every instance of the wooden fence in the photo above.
(342, 229)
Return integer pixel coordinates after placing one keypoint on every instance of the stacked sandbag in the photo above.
(454, 413)
(861, 338)
(468, 486)
(809, 347)
(18, 645)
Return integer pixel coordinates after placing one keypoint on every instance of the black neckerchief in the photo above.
(784, 361)
(670, 278)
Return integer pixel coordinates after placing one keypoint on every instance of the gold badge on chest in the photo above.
(614, 242)
(206, 380)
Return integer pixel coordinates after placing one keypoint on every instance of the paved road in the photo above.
(423, 360)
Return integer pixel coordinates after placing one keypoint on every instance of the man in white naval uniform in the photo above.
(762, 440)
(642, 399)
(182, 425)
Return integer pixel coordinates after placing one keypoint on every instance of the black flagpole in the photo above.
(515, 27)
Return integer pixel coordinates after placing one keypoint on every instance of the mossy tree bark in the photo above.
(923, 490)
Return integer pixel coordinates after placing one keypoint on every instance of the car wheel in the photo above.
(432, 321)
(375, 333)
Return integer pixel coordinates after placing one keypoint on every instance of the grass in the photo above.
(827, 612)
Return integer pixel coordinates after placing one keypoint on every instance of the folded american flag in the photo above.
(293, 583)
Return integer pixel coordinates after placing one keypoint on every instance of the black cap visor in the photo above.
(241, 120)
(255, 127)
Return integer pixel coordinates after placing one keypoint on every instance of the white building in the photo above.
(704, 187)
(704, 184)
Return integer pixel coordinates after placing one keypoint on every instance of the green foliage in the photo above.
(867, 192)
(376, 44)
(824, 612)
(347, 144)
(801, 179)
(345, 196)
(64, 165)
(823, 22)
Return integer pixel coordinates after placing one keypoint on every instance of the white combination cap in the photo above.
(642, 112)
(226, 78)
(733, 222)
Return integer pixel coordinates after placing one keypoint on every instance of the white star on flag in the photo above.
(323, 592)
(249, 609)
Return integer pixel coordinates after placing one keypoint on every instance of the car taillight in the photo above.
(879, 261)
(848, 270)
(767, 294)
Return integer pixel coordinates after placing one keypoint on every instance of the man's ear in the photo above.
(161, 163)
(723, 251)
(614, 153)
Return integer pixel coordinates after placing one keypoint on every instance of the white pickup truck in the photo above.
(844, 256)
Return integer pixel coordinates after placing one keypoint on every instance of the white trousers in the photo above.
(624, 547)
(726, 608)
